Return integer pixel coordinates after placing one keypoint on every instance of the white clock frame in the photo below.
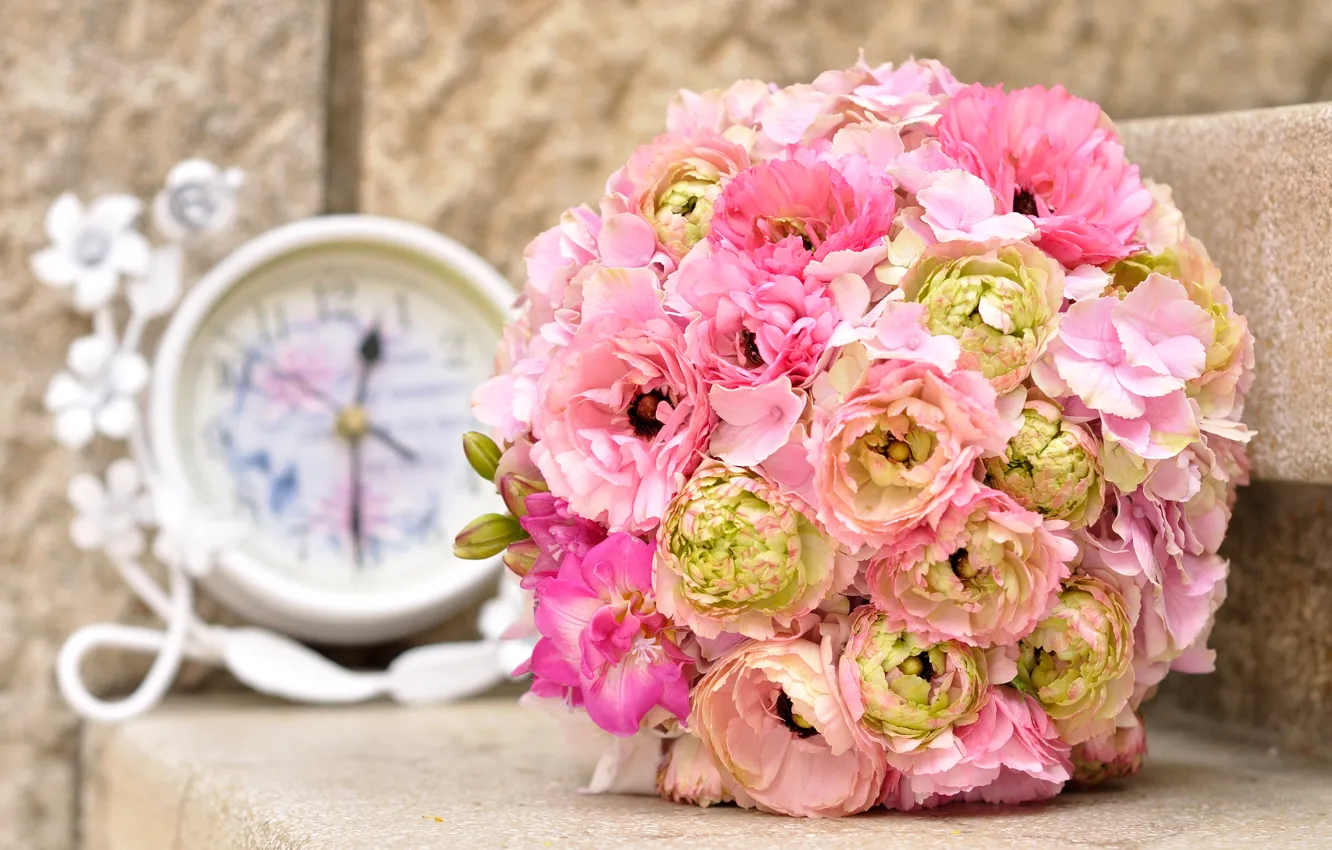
(99, 255)
(246, 586)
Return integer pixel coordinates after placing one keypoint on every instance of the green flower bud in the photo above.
(1000, 304)
(1050, 467)
(487, 536)
(521, 556)
(515, 489)
(482, 454)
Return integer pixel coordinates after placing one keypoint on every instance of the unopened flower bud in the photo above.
(482, 454)
(486, 536)
(515, 489)
(521, 557)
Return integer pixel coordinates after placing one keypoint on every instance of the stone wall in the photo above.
(484, 119)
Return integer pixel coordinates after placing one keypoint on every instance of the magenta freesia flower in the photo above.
(556, 532)
(1052, 156)
(623, 413)
(1129, 360)
(603, 643)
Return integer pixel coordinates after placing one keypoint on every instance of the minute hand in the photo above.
(324, 398)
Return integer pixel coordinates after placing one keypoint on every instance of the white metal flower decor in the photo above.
(124, 283)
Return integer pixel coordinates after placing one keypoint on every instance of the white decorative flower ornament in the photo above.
(190, 536)
(111, 514)
(90, 249)
(198, 198)
(96, 394)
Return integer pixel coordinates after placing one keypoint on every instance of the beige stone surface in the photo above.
(1255, 187)
(492, 774)
(101, 95)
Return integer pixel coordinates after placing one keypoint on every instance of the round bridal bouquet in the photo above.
(869, 444)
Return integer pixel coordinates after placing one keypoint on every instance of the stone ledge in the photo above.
(1256, 187)
(203, 775)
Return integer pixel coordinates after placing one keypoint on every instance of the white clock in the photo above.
(316, 384)
(295, 447)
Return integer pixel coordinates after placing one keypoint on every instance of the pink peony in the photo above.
(1011, 754)
(770, 715)
(797, 213)
(623, 413)
(900, 446)
(984, 574)
(1054, 157)
(1128, 361)
(604, 645)
(673, 181)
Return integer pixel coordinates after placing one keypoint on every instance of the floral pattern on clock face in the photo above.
(328, 396)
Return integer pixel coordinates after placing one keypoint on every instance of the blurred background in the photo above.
(483, 119)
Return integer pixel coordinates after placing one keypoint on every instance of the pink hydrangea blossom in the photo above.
(901, 445)
(623, 412)
(983, 574)
(1011, 754)
(604, 645)
(1052, 156)
(1129, 359)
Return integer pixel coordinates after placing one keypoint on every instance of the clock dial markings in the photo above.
(279, 369)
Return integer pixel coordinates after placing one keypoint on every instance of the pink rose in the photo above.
(983, 575)
(604, 645)
(1055, 158)
(624, 415)
(770, 715)
(900, 446)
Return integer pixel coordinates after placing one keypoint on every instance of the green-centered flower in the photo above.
(1000, 304)
(1078, 661)
(904, 690)
(734, 554)
(1050, 467)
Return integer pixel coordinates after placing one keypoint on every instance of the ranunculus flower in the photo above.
(983, 575)
(899, 446)
(906, 691)
(791, 213)
(771, 716)
(1000, 303)
(1051, 467)
(750, 326)
(1054, 157)
(735, 555)
(1114, 755)
(1078, 661)
(623, 413)
(673, 182)
(1011, 754)
(603, 643)
(1128, 361)
(688, 775)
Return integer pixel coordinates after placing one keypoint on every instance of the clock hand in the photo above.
(319, 395)
(369, 352)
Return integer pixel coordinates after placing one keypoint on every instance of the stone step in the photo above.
(1256, 188)
(490, 773)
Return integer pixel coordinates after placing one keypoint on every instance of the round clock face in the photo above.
(323, 398)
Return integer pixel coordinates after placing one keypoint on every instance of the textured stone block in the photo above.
(492, 774)
(101, 95)
(1256, 187)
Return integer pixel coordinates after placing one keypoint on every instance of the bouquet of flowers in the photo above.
(871, 444)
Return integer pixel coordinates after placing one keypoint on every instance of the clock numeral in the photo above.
(280, 326)
(271, 324)
(226, 375)
(335, 299)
